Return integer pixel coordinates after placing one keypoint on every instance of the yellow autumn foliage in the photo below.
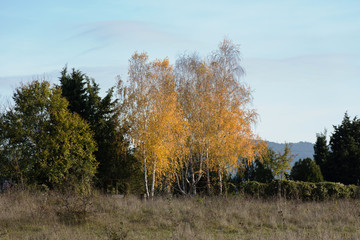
(192, 119)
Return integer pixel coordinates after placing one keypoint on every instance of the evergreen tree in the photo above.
(306, 170)
(260, 170)
(344, 159)
(115, 161)
(321, 152)
(73, 89)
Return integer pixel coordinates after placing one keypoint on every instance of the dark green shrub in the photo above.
(320, 193)
(354, 191)
(230, 188)
(282, 188)
(306, 191)
(337, 190)
(289, 189)
(272, 189)
(306, 170)
(254, 188)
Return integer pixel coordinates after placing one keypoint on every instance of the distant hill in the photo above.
(302, 149)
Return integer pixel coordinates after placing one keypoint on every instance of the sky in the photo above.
(301, 57)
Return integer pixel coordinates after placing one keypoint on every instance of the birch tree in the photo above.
(194, 87)
(216, 104)
(233, 117)
(157, 129)
(192, 121)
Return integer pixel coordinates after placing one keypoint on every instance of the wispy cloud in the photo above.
(92, 49)
(106, 39)
(124, 31)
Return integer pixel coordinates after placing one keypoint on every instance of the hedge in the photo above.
(306, 191)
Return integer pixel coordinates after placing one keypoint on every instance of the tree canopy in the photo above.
(185, 128)
(321, 153)
(268, 166)
(340, 159)
(116, 162)
(191, 121)
(344, 158)
(43, 142)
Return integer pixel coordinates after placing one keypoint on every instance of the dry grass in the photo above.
(27, 215)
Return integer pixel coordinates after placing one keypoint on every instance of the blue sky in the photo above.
(302, 58)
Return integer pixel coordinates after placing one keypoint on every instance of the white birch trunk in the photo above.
(153, 181)
(220, 183)
(146, 180)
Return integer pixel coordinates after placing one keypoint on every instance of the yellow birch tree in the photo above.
(194, 87)
(191, 121)
(157, 129)
(233, 119)
(216, 105)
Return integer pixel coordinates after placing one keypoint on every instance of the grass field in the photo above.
(26, 215)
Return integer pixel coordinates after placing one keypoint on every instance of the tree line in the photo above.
(183, 129)
(178, 126)
(335, 161)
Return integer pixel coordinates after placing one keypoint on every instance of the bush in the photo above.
(320, 193)
(289, 189)
(354, 191)
(337, 190)
(273, 188)
(253, 188)
(306, 191)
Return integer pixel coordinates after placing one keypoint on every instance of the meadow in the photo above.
(50, 215)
